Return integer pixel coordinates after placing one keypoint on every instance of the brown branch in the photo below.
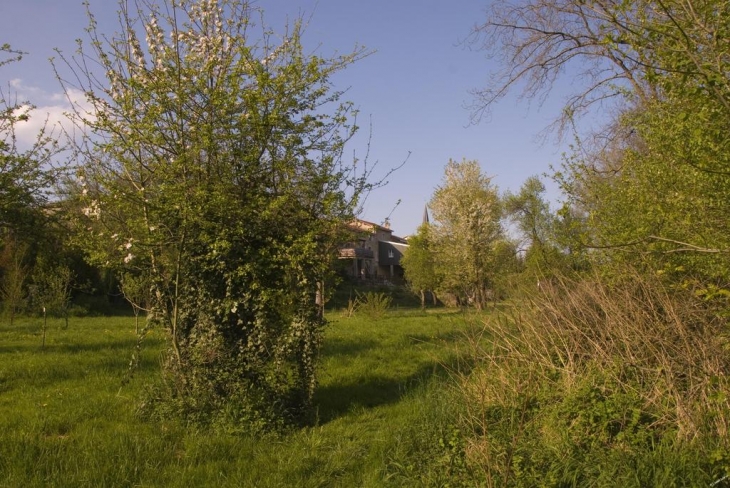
(687, 246)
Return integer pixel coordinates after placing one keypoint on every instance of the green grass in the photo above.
(384, 409)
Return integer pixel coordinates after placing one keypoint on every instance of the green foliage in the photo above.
(650, 186)
(433, 451)
(26, 170)
(216, 170)
(659, 210)
(539, 229)
(27, 173)
(351, 308)
(50, 291)
(13, 285)
(136, 290)
(530, 212)
(419, 263)
(507, 265)
(345, 294)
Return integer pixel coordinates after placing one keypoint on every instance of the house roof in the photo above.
(360, 224)
(390, 252)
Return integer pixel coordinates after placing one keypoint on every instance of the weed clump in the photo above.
(373, 305)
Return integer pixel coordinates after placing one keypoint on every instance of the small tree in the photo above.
(419, 264)
(13, 284)
(537, 227)
(51, 292)
(136, 290)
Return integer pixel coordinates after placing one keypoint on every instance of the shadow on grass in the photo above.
(441, 337)
(26, 327)
(71, 348)
(347, 347)
(336, 400)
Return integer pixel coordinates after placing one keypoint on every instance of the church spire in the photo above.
(425, 215)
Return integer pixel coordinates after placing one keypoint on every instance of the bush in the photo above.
(604, 385)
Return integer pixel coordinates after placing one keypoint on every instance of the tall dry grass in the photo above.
(585, 378)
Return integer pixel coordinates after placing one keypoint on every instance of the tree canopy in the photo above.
(26, 172)
(653, 183)
(466, 210)
(419, 263)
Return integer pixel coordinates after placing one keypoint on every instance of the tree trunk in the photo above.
(45, 324)
(319, 299)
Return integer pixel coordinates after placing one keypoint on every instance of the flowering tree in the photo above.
(467, 213)
(214, 166)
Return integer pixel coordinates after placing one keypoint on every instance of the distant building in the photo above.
(374, 252)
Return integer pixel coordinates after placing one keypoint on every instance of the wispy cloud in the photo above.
(50, 112)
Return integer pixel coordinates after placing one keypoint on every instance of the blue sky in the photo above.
(413, 89)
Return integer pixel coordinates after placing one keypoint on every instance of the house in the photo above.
(374, 252)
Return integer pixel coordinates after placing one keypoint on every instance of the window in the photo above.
(391, 255)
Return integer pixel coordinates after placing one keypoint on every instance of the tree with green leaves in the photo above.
(27, 174)
(14, 278)
(536, 225)
(529, 211)
(26, 170)
(419, 264)
(216, 168)
(653, 184)
(136, 290)
(50, 290)
(467, 211)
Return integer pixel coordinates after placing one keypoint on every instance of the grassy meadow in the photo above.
(385, 411)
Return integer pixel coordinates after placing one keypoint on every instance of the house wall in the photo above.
(370, 238)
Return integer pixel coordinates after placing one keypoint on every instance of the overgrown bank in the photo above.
(591, 383)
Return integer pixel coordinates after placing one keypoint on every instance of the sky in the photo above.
(412, 92)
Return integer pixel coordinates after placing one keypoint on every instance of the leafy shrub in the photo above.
(231, 389)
